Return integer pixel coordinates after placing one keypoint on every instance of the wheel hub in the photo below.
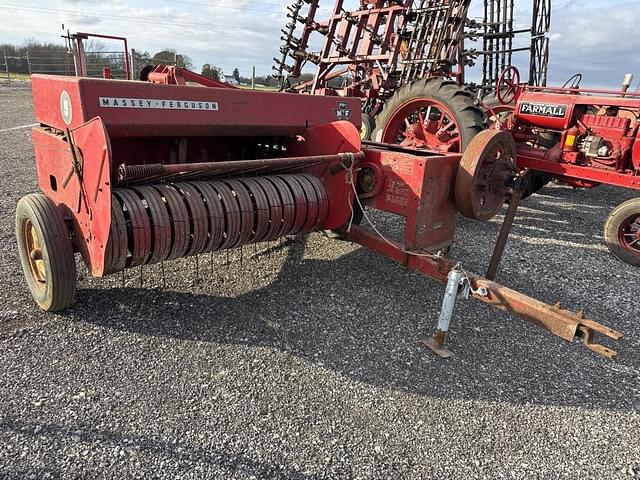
(423, 123)
(36, 260)
(629, 234)
(482, 180)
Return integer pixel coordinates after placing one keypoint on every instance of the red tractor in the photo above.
(579, 137)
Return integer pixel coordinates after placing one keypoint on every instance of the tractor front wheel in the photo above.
(366, 129)
(46, 252)
(432, 113)
(622, 232)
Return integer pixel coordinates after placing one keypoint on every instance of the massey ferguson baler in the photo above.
(135, 173)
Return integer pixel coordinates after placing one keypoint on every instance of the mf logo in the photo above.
(343, 112)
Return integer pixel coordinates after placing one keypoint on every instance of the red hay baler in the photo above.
(134, 173)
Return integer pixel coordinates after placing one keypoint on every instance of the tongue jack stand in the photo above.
(455, 279)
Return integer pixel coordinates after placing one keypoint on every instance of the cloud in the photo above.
(595, 37)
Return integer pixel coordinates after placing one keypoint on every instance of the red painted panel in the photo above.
(87, 203)
(336, 137)
(131, 108)
(419, 188)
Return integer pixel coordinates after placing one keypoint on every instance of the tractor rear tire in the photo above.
(469, 119)
(535, 180)
(46, 252)
(622, 232)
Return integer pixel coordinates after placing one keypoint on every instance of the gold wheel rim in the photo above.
(35, 256)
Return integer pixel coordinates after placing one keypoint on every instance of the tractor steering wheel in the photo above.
(508, 85)
(574, 82)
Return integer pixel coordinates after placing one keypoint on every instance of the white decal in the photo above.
(543, 109)
(343, 112)
(155, 103)
(65, 107)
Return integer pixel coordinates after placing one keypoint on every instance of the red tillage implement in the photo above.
(134, 173)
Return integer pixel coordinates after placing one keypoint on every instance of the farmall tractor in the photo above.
(583, 138)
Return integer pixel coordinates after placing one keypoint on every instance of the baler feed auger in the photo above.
(134, 173)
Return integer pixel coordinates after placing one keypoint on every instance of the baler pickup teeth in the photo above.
(154, 223)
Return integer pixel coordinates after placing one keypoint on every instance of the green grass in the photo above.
(15, 76)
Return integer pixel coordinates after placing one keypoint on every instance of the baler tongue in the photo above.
(135, 173)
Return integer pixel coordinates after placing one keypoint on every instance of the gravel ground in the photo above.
(305, 363)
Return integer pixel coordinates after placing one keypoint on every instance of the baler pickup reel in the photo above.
(136, 173)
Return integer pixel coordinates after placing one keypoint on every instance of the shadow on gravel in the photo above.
(137, 445)
(316, 310)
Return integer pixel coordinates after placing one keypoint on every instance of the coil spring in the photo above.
(153, 223)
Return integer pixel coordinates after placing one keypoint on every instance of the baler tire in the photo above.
(468, 117)
(612, 231)
(41, 231)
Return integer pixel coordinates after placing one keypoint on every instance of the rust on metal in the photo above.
(486, 165)
(180, 226)
(160, 223)
(436, 344)
(560, 322)
(503, 236)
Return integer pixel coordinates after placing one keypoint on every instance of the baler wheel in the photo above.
(622, 232)
(432, 113)
(46, 252)
(481, 182)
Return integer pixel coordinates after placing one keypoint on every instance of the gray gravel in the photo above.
(305, 363)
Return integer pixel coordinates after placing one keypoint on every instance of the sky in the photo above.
(596, 38)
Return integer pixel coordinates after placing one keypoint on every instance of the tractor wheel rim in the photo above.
(33, 247)
(423, 123)
(363, 130)
(629, 234)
